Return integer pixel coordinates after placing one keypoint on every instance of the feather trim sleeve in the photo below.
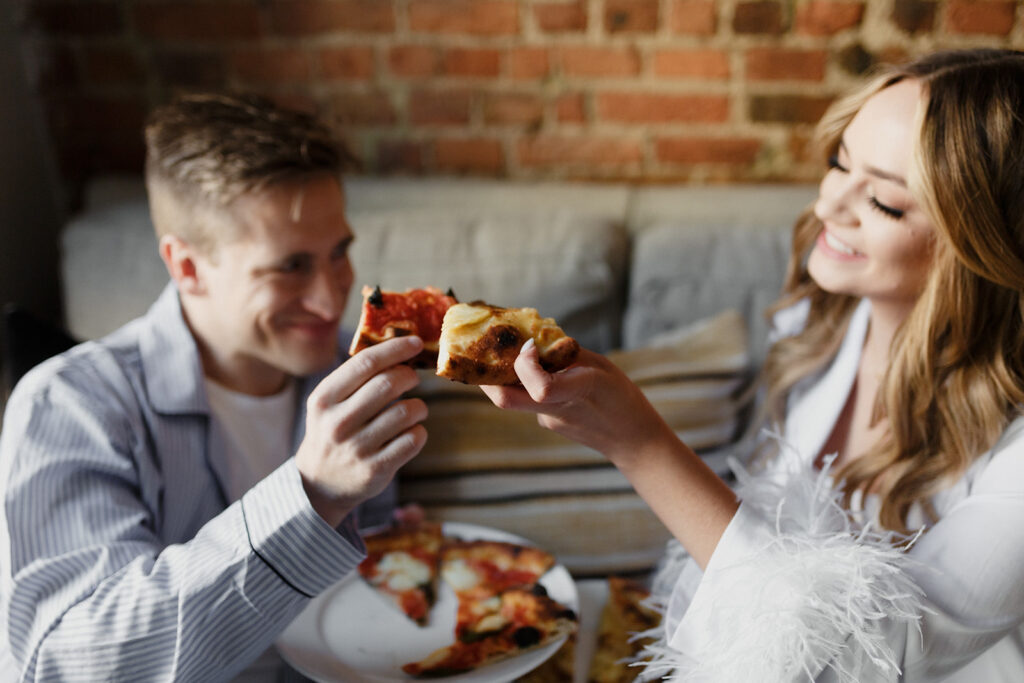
(793, 588)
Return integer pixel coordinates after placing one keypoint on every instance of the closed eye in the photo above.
(889, 211)
(294, 265)
(833, 163)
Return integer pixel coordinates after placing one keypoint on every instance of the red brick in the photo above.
(600, 61)
(826, 18)
(571, 108)
(514, 108)
(658, 108)
(299, 101)
(631, 16)
(347, 63)
(561, 17)
(363, 109)
(76, 18)
(914, 16)
(703, 150)
(312, 17)
(480, 63)
(801, 147)
(549, 150)
(270, 65)
(693, 17)
(528, 62)
(758, 17)
(987, 17)
(705, 64)
(774, 64)
(193, 21)
(399, 156)
(480, 17)
(469, 155)
(439, 108)
(788, 108)
(409, 61)
(191, 68)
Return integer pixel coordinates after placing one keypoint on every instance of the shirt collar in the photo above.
(170, 358)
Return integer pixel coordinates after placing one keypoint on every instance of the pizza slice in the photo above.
(401, 565)
(523, 620)
(479, 343)
(388, 314)
(479, 571)
(624, 617)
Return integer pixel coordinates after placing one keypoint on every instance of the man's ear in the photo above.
(181, 258)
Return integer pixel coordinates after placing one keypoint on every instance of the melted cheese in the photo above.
(459, 575)
(401, 571)
(464, 322)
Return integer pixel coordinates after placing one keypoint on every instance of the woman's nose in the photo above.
(836, 196)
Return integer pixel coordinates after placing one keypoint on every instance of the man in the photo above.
(175, 493)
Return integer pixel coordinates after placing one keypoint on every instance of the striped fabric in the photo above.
(497, 468)
(120, 557)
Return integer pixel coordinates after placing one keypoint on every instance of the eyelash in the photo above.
(895, 214)
(890, 212)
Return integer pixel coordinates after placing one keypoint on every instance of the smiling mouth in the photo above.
(834, 243)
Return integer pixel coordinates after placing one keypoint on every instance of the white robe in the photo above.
(789, 591)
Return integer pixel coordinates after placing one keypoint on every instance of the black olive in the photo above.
(539, 589)
(525, 636)
(377, 298)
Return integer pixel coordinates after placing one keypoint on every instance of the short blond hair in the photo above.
(205, 150)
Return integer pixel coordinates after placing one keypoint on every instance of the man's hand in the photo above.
(358, 432)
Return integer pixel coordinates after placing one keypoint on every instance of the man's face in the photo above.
(274, 293)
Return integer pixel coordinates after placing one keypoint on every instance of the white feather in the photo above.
(818, 595)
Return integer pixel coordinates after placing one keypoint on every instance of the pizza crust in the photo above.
(479, 343)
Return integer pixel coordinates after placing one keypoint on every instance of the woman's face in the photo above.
(876, 241)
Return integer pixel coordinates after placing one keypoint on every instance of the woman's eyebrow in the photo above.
(875, 171)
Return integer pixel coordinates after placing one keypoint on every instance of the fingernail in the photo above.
(528, 345)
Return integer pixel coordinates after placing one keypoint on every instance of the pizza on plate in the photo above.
(623, 618)
(387, 314)
(523, 620)
(401, 564)
(479, 343)
(479, 571)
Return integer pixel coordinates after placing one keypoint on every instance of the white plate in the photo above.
(350, 634)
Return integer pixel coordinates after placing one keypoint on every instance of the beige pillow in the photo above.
(482, 465)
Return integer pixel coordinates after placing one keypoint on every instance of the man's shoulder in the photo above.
(93, 367)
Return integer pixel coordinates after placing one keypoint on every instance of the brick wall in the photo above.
(648, 90)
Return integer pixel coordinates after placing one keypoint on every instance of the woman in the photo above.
(893, 392)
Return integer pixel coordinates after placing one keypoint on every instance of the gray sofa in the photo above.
(634, 271)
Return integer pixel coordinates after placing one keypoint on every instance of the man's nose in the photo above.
(326, 295)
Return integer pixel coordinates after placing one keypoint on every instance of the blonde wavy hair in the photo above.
(956, 374)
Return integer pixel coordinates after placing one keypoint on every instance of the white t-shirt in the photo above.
(254, 431)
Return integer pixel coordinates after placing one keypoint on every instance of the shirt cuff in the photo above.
(288, 534)
(712, 594)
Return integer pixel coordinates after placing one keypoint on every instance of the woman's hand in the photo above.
(592, 403)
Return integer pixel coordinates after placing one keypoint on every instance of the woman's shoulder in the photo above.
(1001, 470)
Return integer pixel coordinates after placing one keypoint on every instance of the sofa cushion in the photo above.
(681, 274)
(702, 249)
(499, 468)
(568, 266)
